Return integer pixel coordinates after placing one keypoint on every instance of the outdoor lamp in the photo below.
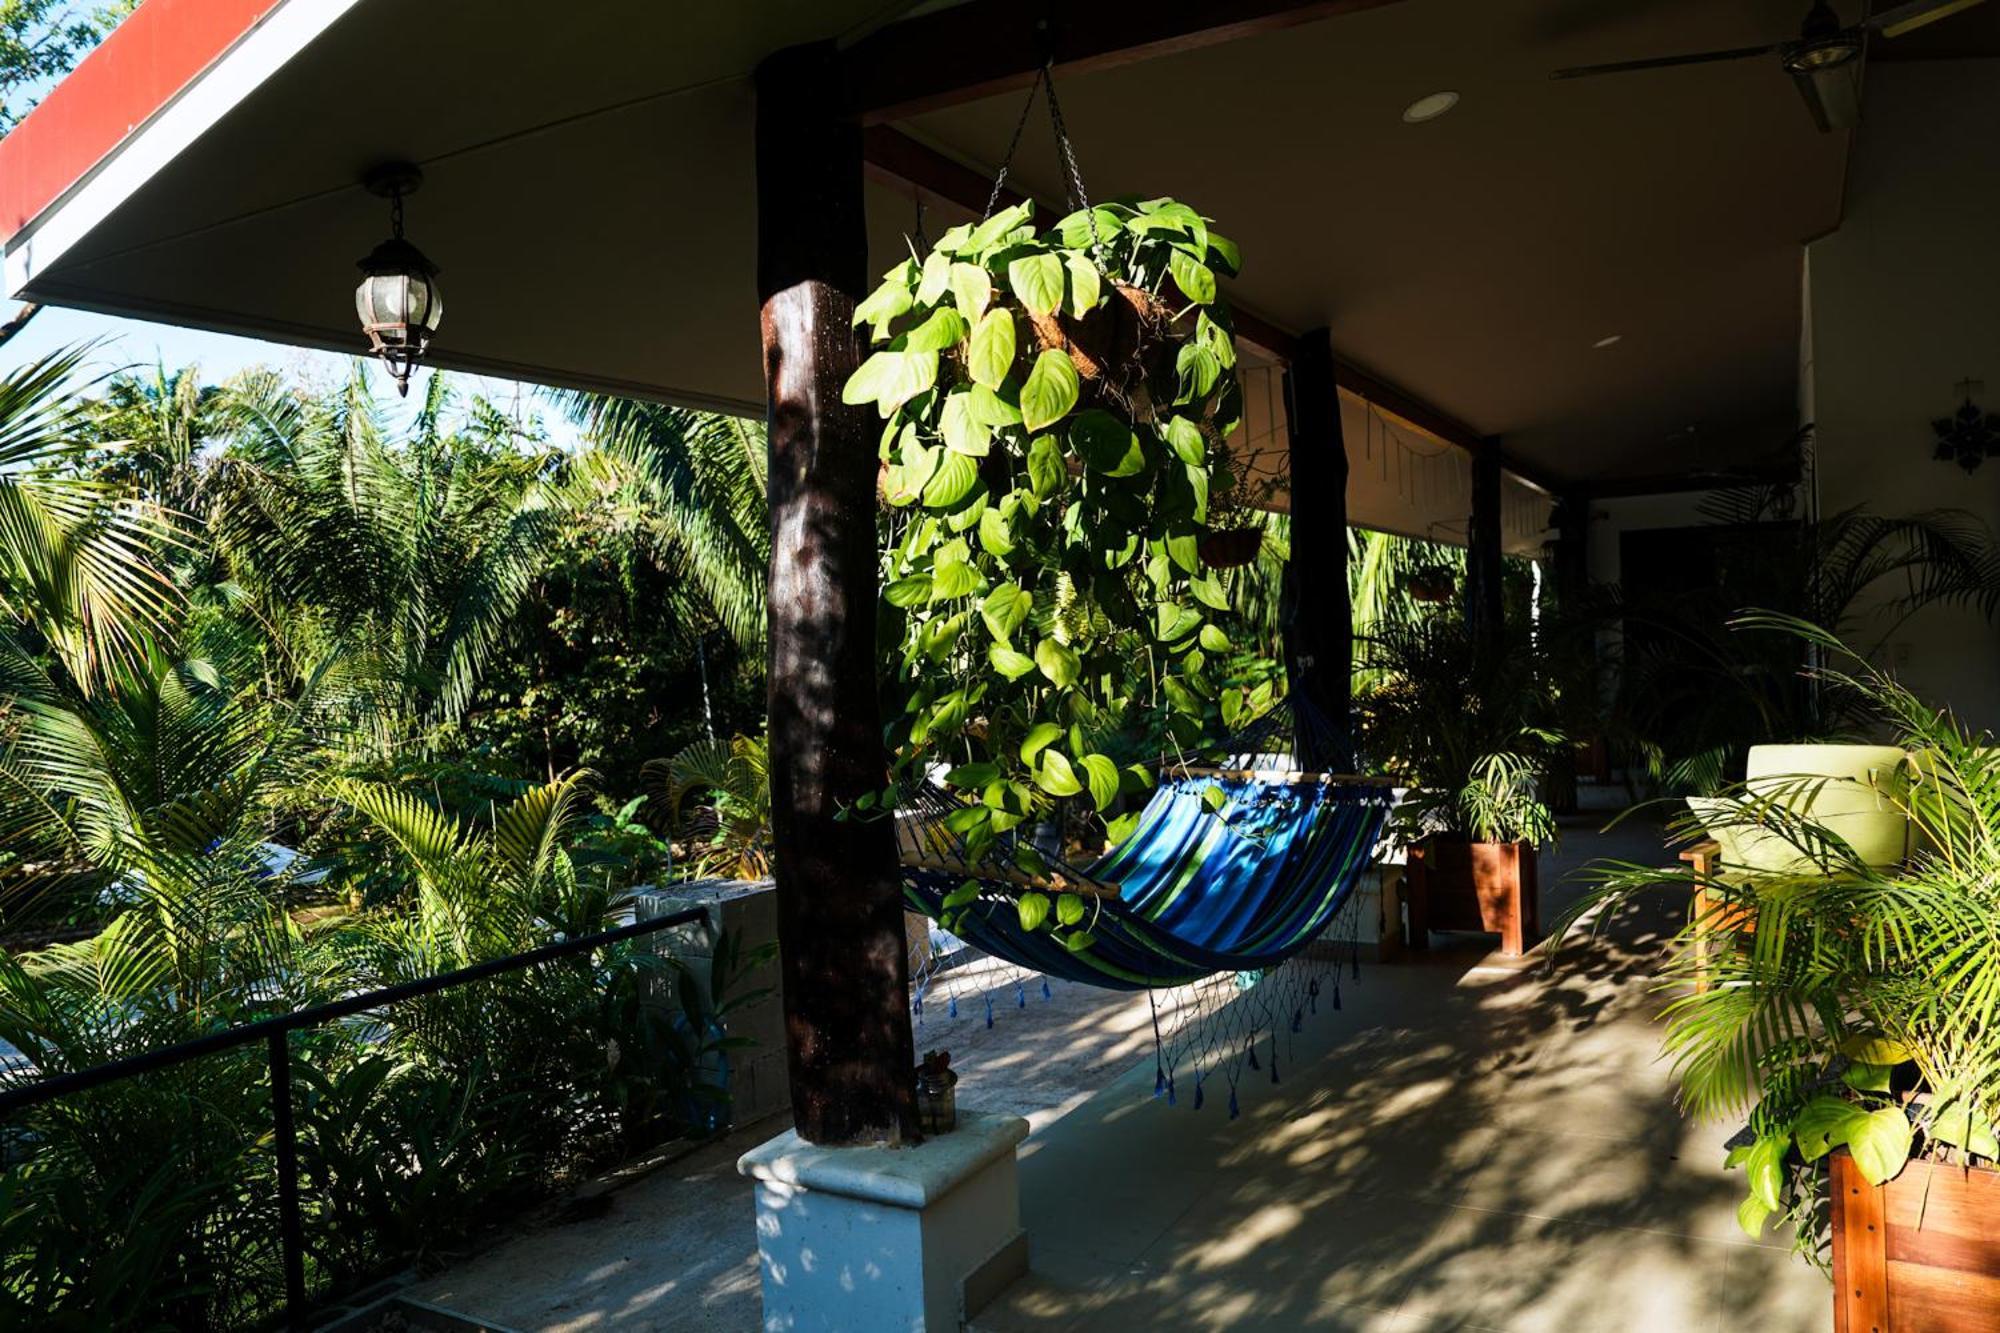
(398, 300)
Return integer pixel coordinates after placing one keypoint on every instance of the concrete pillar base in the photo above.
(914, 1239)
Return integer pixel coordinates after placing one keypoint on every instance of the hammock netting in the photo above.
(1217, 905)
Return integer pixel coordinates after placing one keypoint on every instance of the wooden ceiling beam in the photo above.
(985, 47)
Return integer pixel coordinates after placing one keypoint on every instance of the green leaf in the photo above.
(936, 277)
(1213, 798)
(1058, 663)
(942, 330)
(971, 289)
(956, 579)
(990, 409)
(1050, 392)
(991, 354)
(888, 301)
(1173, 622)
(1864, 1077)
(912, 591)
(1055, 776)
(1214, 640)
(962, 895)
(1765, 1163)
(1208, 591)
(1880, 1142)
(1751, 1215)
(995, 227)
(890, 379)
(1070, 909)
(1078, 941)
(1046, 472)
(1076, 229)
(962, 433)
(956, 475)
(1039, 738)
(1823, 1124)
(1224, 254)
(1957, 1124)
(1198, 368)
(1085, 284)
(1037, 281)
(1195, 279)
(1009, 662)
(1106, 444)
(1875, 1048)
(1102, 775)
(972, 775)
(1185, 550)
(993, 533)
(1005, 608)
(1184, 438)
(1033, 909)
(1121, 828)
(906, 480)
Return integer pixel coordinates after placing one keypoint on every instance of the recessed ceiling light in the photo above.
(1608, 342)
(1429, 108)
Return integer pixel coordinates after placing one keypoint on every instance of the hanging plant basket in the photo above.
(1231, 548)
(1430, 585)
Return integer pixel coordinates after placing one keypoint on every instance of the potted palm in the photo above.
(1470, 733)
(1850, 1010)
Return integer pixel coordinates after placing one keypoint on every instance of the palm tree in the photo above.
(77, 574)
(413, 559)
(691, 487)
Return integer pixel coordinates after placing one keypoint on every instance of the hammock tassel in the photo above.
(1274, 1058)
(1336, 997)
(1047, 994)
(1159, 1080)
(951, 1010)
(1312, 995)
(1170, 1092)
(989, 1011)
(1251, 1055)
(1234, 1110)
(1298, 1019)
(1197, 1094)
(1020, 995)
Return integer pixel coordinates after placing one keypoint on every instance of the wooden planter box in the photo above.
(1460, 885)
(1920, 1254)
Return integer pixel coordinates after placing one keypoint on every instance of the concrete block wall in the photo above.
(748, 910)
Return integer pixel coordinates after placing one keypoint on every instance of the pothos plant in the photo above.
(1055, 405)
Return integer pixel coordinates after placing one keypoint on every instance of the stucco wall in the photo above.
(1903, 302)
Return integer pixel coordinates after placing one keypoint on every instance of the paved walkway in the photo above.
(1468, 1144)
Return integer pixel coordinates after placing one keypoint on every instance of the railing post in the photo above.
(291, 1227)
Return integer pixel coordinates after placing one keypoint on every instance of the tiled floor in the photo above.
(1467, 1144)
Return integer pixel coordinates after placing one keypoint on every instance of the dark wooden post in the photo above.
(840, 916)
(1319, 628)
(1572, 555)
(1485, 605)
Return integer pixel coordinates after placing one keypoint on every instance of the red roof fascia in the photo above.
(157, 51)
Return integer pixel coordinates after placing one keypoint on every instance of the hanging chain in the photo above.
(1000, 181)
(396, 213)
(1074, 196)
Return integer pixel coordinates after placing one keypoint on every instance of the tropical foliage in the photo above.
(240, 620)
(1843, 1004)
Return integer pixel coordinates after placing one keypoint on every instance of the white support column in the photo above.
(900, 1240)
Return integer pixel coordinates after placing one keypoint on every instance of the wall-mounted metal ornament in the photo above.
(1969, 436)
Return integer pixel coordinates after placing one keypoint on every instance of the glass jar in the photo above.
(937, 1101)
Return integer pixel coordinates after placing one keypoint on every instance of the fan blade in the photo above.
(1665, 62)
(1916, 14)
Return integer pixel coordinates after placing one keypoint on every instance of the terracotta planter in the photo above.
(1920, 1254)
(1229, 548)
(1459, 885)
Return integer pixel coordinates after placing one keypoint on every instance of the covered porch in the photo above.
(1535, 322)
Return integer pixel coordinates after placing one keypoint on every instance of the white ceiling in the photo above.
(590, 198)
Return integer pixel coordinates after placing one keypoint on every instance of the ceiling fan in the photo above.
(1823, 60)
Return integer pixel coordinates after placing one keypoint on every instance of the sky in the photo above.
(139, 344)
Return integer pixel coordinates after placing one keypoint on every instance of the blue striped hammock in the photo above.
(1225, 872)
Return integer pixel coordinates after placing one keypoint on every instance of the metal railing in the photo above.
(276, 1034)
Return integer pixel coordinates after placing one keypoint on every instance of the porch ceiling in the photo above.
(589, 194)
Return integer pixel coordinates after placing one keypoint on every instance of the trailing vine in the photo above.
(1055, 407)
